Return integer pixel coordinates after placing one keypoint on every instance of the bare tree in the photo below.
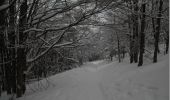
(142, 35)
(157, 31)
(2, 44)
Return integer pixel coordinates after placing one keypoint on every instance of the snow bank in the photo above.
(127, 82)
(101, 81)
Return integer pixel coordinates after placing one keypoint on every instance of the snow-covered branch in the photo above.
(33, 29)
(6, 6)
(47, 50)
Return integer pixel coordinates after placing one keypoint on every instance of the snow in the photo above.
(105, 81)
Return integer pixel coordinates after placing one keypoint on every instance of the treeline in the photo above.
(138, 28)
(144, 24)
(12, 49)
(147, 17)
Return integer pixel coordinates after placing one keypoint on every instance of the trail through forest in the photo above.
(112, 81)
(84, 49)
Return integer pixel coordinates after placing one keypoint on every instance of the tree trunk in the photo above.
(118, 46)
(12, 37)
(135, 32)
(2, 42)
(131, 26)
(131, 51)
(131, 45)
(157, 33)
(142, 36)
(21, 52)
(7, 71)
(167, 42)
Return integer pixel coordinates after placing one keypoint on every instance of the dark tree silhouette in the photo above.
(157, 31)
(142, 35)
(21, 51)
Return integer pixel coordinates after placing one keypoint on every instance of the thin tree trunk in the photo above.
(142, 36)
(130, 37)
(167, 42)
(135, 32)
(131, 45)
(153, 23)
(157, 33)
(118, 46)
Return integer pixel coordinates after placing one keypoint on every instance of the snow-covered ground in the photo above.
(102, 81)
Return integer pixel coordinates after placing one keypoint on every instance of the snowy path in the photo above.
(97, 81)
(88, 87)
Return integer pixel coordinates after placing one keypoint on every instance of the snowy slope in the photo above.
(101, 81)
(149, 82)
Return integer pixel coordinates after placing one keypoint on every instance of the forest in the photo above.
(41, 38)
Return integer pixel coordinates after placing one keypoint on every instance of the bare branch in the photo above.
(6, 6)
(47, 50)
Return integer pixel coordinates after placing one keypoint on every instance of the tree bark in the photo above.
(2, 42)
(167, 42)
(142, 36)
(21, 52)
(130, 43)
(135, 32)
(157, 33)
(118, 46)
(12, 37)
